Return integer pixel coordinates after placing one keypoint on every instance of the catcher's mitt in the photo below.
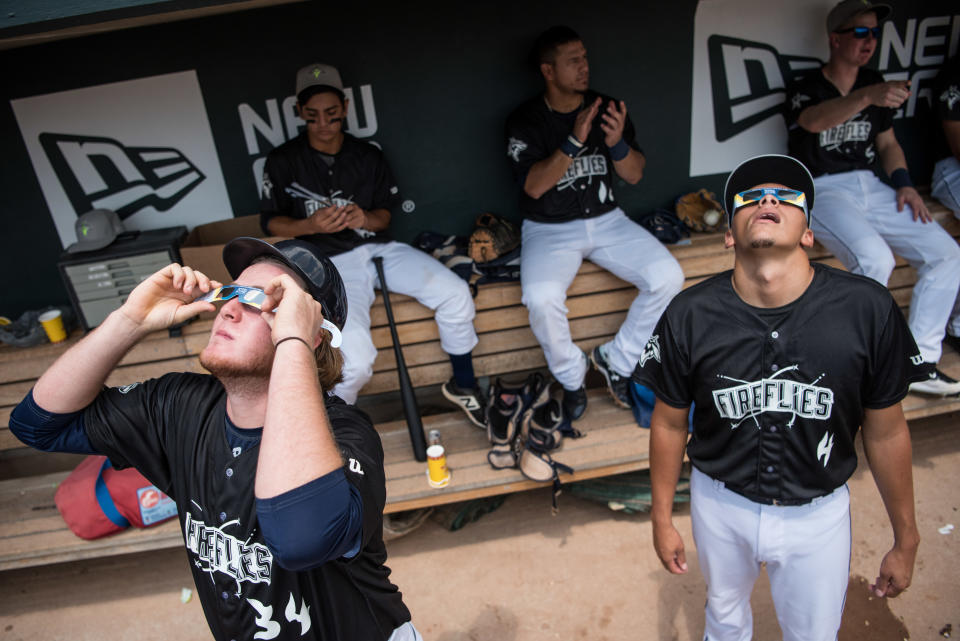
(492, 237)
(701, 211)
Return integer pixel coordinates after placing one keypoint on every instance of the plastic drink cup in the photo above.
(52, 322)
(437, 473)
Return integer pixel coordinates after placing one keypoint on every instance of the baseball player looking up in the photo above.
(328, 188)
(565, 147)
(279, 486)
(840, 120)
(783, 361)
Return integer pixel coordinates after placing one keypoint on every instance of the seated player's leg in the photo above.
(550, 258)
(411, 272)
(359, 352)
(807, 552)
(630, 252)
(945, 186)
(936, 257)
(840, 224)
(726, 527)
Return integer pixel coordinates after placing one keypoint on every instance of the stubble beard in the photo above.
(232, 373)
(763, 243)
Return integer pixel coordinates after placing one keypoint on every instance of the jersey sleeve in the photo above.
(664, 365)
(128, 425)
(525, 146)
(630, 135)
(362, 454)
(895, 361)
(946, 92)
(274, 200)
(801, 94)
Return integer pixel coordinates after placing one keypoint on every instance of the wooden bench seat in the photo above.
(34, 534)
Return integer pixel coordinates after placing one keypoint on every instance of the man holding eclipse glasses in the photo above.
(783, 361)
(279, 485)
(840, 119)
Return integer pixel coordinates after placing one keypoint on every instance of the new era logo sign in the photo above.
(98, 172)
(749, 81)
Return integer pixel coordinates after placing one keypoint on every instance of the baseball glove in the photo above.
(701, 211)
(492, 237)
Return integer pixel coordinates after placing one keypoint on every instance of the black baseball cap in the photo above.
(769, 168)
(846, 10)
(305, 259)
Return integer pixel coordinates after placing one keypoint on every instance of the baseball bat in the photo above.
(410, 408)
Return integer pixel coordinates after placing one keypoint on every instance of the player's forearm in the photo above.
(545, 174)
(667, 442)
(75, 379)
(891, 154)
(297, 445)
(289, 227)
(831, 113)
(630, 169)
(890, 457)
(377, 220)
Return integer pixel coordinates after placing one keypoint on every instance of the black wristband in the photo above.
(293, 338)
(571, 146)
(901, 178)
(620, 150)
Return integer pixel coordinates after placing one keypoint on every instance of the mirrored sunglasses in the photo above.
(254, 297)
(752, 196)
(861, 32)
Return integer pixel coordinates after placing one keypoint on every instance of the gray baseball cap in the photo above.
(318, 75)
(95, 230)
(846, 10)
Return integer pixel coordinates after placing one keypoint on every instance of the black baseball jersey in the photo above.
(534, 132)
(298, 180)
(946, 103)
(172, 429)
(780, 393)
(847, 147)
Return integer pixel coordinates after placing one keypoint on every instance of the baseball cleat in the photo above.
(938, 383)
(471, 401)
(616, 384)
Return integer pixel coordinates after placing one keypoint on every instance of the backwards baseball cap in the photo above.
(305, 259)
(769, 168)
(95, 230)
(847, 9)
(319, 75)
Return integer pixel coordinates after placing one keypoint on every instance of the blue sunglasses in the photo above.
(861, 32)
(254, 297)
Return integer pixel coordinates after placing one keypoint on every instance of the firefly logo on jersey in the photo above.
(583, 167)
(750, 399)
(851, 131)
(103, 173)
(217, 551)
(748, 80)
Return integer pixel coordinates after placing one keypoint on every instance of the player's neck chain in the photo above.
(552, 110)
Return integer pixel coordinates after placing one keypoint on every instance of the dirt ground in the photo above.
(521, 574)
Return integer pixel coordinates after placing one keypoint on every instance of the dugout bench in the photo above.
(33, 532)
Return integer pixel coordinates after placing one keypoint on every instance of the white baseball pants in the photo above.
(552, 254)
(408, 271)
(855, 216)
(806, 550)
(945, 185)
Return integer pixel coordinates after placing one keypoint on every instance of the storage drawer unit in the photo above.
(99, 282)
